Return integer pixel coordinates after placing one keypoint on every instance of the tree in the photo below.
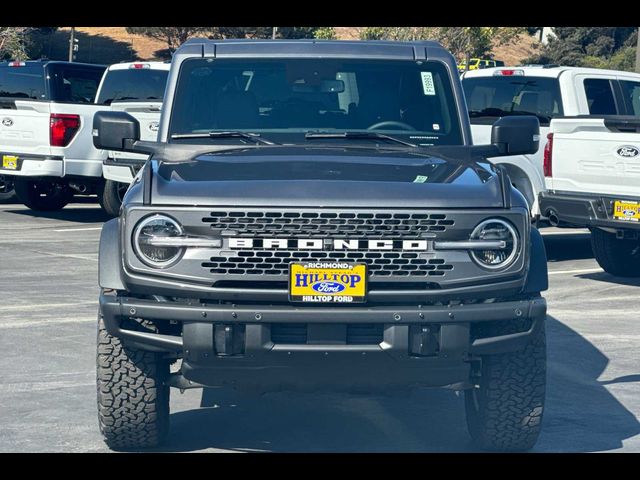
(173, 36)
(460, 41)
(12, 42)
(599, 47)
(325, 33)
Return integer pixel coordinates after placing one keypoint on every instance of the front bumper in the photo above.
(233, 345)
(585, 209)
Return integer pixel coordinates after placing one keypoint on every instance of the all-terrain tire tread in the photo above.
(510, 398)
(133, 402)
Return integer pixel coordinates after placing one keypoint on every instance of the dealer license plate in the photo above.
(9, 162)
(628, 211)
(328, 282)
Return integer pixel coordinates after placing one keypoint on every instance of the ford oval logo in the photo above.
(153, 126)
(328, 287)
(629, 213)
(627, 151)
(7, 122)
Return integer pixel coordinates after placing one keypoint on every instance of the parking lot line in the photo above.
(584, 270)
(44, 306)
(46, 322)
(77, 229)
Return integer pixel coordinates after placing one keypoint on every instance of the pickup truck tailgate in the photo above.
(596, 155)
(148, 114)
(24, 127)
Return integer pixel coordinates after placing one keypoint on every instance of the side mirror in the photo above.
(115, 131)
(516, 135)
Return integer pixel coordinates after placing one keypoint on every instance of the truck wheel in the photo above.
(6, 189)
(133, 401)
(505, 412)
(42, 195)
(110, 195)
(620, 257)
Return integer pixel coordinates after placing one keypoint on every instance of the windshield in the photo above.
(284, 99)
(134, 85)
(497, 96)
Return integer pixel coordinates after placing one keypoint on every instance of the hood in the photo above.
(326, 177)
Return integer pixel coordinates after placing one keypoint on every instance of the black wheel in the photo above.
(6, 189)
(46, 195)
(110, 195)
(620, 257)
(133, 400)
(505, 412)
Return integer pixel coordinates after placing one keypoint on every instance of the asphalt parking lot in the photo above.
(48, 302)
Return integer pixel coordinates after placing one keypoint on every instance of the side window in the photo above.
(600, 96)
(631, 92)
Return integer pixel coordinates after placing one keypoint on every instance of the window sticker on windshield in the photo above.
(436, 126)
(421, 179)
(427, 83)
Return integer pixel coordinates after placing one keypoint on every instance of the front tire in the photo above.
(620, 257)
(505, 412)
(133, 399)
(110, 195)
(42, 195)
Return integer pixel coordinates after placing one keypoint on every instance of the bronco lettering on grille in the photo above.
(327, 244)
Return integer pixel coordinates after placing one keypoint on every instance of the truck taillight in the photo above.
(62, 129)
(548, 156)
(508, 72)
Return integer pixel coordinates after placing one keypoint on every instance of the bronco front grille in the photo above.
(326, 223)
(266, 262)
(293, 224)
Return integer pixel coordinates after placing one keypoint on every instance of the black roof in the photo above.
(313, 48)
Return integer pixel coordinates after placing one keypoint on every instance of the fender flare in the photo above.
(109, 258)
(538, 275)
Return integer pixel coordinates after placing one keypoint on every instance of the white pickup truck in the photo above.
(138, 89)
(592, 169)
(547, 92)
(45, 108)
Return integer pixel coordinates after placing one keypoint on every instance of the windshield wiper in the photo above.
(231, 134)
(357, 136)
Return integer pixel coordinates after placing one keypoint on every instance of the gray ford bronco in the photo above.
(314, 216)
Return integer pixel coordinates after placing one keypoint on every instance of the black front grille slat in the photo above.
(356, 334)
(276, 262)
(365, 334)
(289, 333)
(313, 224)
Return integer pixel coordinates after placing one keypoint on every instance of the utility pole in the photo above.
(273, 34)
(638, 52)
(72, 43)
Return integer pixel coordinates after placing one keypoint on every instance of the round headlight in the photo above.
(148, 242)
(497, 230)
